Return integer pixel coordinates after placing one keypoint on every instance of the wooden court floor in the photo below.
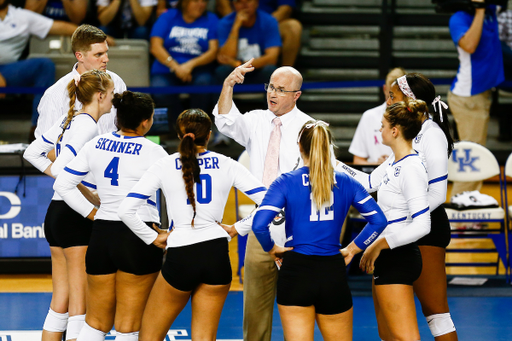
(24, 301)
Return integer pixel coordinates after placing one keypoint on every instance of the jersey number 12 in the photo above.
(325, 212)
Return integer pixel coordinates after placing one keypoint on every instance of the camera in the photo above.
(452, 6)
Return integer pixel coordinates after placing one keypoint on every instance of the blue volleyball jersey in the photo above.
(311, 231)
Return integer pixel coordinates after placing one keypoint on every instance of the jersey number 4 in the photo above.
(325, 212)
(112, 171)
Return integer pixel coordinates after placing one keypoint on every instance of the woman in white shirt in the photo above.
(67, 232)
(394, 257)
(196, 184)
(121, 268)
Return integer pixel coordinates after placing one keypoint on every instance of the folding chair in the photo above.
(242, 211)
(473, 162)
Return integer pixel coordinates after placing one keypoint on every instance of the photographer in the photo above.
(481, 68)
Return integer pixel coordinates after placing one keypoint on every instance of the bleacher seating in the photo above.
(129, 58)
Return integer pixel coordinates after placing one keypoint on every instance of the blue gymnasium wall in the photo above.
(22, 216)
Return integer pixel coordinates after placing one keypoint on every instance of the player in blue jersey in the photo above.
(121, 268)
(67, 232)
(196, 184)
(312, 283)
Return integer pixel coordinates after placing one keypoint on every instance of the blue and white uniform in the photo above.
(64, 227)
(314, 272)
(313, 231)
(218, 174)
(116, 163)
(432, 146)
(402, 194)
(80, 130)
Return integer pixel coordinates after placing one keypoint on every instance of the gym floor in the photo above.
(479, 312)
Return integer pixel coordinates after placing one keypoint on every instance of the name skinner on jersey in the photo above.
(118, 146)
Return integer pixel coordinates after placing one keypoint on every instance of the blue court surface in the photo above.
(476, 318)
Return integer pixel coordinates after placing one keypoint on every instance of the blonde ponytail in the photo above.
(315, 140)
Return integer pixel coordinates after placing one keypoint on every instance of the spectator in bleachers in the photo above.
(366, 145)
(505, 27)
(16, 27)
(289, 28)
(184, 44)
(244, 34)
(126, 18)
(481, 68)
(73, 11)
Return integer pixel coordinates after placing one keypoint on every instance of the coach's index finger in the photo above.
(246, 67)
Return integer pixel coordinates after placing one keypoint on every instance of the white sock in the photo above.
(88, 333)
(133, 336)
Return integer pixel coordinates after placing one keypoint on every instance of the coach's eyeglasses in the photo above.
(279, 91)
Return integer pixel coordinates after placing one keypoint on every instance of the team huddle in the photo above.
(107, 244)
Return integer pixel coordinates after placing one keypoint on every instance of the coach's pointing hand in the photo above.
(237, 76)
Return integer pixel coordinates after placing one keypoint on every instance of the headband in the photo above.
(77, 79)
(312, 125)
(441, 105)
(404, 87)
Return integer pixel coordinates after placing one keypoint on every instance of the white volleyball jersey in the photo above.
(116, 163)
(402, 196)
(80, 130)
(218, 174)
(432, 147)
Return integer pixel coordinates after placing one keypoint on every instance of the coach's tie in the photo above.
(272, 157)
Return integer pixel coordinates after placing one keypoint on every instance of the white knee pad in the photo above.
(55, 322)
(75, 324)
(88, 333)
(440, 324)
(134, 336)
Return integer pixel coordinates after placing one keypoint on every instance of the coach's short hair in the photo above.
(86, 35)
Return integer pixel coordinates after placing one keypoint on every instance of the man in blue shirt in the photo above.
(244, 34)
(481, 68)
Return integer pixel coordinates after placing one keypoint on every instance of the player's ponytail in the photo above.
(194, 128)
(83, 88)
(316, 139)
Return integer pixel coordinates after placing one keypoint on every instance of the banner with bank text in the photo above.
(22, 216)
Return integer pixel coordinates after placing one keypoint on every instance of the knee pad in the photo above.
(88, 333)
(440, 324)
(75, 324)
(55, 322)
(134, 336)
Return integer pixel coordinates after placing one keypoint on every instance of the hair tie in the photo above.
(441, 105)
(192, 136)
(404, 87)
(77, 79)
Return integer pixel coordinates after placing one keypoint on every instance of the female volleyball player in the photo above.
(68, 232)
(312, 283)
(196, 185)
(121, 268)
(434, 144)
